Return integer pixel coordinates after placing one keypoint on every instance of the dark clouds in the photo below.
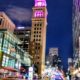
(20, 11)
(19, 14)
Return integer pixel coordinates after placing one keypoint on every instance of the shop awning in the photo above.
(9, 69)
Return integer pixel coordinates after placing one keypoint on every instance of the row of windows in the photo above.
(37, 35)
(39, 24)
(39, 9)
(37, 28)
(37, 39)
(8, 48)
(10, 38)
(37, 31)
(37, 56)
(8, 62)
(24, 39)
(21, 33)
(37, 43)
(37, 47)
(38, 63)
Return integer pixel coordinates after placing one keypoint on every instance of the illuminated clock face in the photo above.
(39, 13)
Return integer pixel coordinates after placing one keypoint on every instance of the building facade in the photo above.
(11, 55)
(53, 51)
(7, 47)
(52, 56)
(24, 34)
(76, 29)
(6, 23)
(38, 32)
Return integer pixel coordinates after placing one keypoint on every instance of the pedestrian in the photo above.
(35, 77)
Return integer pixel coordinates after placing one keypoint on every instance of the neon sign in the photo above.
(39, 3)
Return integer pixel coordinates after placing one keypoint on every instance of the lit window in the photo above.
(26, 35)
(28, 31)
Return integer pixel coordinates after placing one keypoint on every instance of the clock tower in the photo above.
(38, 33)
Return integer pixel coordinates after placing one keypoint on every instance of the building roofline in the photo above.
(4, 15)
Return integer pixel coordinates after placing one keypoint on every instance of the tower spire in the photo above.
(40, 3)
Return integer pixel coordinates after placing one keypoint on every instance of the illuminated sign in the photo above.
(30, 77)
(40, 3)
(39, 13)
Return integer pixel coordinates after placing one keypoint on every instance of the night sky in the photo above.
(59, 29)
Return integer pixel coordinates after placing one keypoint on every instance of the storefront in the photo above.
(25, 65)
(11, 55)
(8, 61)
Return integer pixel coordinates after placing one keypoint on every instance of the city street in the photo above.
(39, 40)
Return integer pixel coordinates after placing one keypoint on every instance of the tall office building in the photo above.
(38, 32)
(53, 51)
(11, 54)
(6, 23)
(76, 29)
(24, 34)
(52, 56)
